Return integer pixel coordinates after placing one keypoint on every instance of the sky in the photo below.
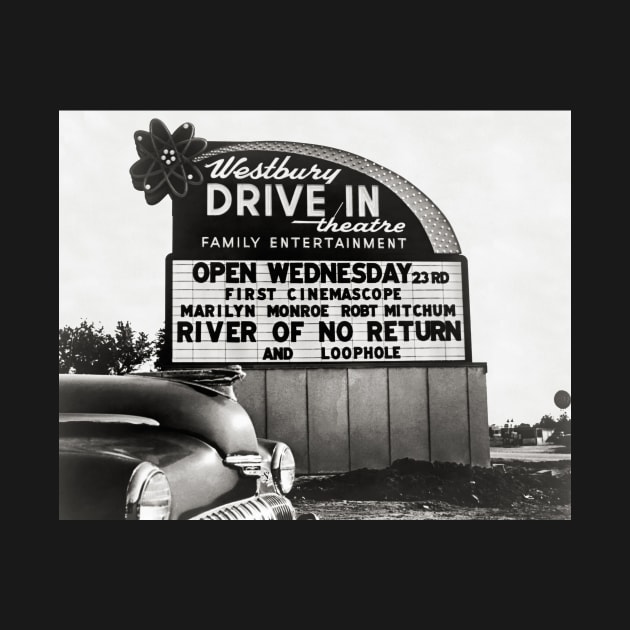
(502, 178)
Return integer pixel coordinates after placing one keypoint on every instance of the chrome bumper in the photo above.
(264, 507)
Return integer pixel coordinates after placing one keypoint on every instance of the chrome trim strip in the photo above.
(247, 465)
(102, 418)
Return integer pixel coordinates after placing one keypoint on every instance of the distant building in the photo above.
(525, 436)
(531, 436)
(495, 431)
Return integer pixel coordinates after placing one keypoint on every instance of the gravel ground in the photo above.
(429, 511)
(532, 487)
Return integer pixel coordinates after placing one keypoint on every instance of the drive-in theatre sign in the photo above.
(304, 254)
(291, 256)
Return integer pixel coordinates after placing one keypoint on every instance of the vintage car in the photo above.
(170, 445)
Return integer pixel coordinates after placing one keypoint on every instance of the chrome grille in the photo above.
(265, 507)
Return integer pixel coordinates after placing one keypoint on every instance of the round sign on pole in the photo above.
(562, 399)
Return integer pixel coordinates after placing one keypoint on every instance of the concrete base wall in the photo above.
(341, 419)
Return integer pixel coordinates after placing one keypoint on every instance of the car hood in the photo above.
(215, 419)
(96, 460)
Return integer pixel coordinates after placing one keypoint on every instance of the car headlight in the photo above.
(148, 494)
(283, 468)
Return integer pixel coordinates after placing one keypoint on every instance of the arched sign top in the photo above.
(302, 254)
(433, 221)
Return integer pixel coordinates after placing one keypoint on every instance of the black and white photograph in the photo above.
(314, 314)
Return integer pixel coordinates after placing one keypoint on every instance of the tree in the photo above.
(86, 349)
(89, 350)
(546, 422)
(564, 423)
(130, 350)
(161, 359)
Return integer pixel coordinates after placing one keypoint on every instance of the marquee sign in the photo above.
(289, 253)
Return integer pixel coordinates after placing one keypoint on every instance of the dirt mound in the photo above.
(506, 483)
